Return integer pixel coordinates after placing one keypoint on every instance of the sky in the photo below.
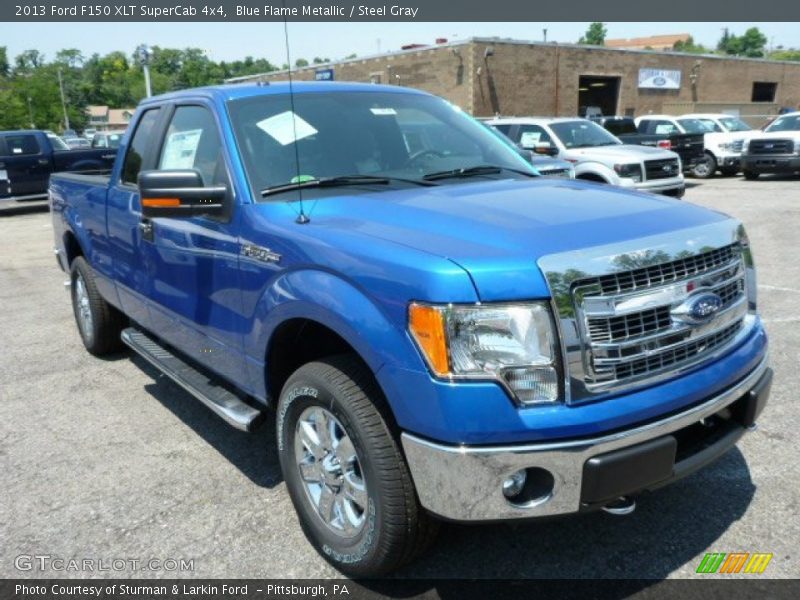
(231, 41)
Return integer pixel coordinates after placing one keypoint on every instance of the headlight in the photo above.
(631, 171)
(726, 146)
(514, 344)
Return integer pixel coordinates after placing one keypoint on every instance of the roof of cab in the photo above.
(237, 91)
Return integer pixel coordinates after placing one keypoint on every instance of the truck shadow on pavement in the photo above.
(254, 454)
(668, 530)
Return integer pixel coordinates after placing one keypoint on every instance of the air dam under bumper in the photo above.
(766, 163)
(464, 483)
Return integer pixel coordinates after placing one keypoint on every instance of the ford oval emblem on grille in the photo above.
(698, 308)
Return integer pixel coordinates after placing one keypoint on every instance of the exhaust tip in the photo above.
(621, 506)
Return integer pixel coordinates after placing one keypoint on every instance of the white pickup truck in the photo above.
(596, 153)
(723, 146)
(774, 150)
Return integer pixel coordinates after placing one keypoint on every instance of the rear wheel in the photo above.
(99, 323)
(750, 175)
(345, 472)
(705, 168)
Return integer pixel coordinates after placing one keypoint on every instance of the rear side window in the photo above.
(192, 142)
(20, 145)
(138, 146)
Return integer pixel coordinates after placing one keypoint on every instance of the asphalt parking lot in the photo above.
(105, 459)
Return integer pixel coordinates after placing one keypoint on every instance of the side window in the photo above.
(138, 146)
(664, 128)
(193, 142)
(530, 135)
(20, 145)
(503, 128)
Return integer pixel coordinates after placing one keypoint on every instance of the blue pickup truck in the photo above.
(29, 156)
(442, 334)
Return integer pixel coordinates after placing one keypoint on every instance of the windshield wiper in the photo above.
(342, 180)
(473, 171)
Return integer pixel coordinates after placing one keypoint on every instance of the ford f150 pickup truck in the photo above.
(722, 149)
(441, 333)
(689, 146)
(28, 157)
(597, 155)
(775, 150)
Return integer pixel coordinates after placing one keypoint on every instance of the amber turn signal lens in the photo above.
(161, 202)
(427, 326)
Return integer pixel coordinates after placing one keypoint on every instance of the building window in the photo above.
(375, 77)
(764, 91)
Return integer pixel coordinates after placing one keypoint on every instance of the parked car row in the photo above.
(29, 156)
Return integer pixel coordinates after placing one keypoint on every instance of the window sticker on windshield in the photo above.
(383, 111)
(529, 138)
(286, 127)
(180, 149)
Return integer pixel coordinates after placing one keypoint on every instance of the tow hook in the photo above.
(621, 506)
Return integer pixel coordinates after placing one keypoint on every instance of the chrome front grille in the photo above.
(633, 324)
(654, 275)
(662, 168)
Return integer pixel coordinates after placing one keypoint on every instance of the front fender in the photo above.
(321, 296)
(596, 168)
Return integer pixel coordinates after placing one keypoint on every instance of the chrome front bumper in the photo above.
(464, 483)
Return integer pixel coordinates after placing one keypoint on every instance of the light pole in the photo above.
(30, 112)
(63, 101)
(143, 54)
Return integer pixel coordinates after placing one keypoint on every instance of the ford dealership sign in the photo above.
(659, 79)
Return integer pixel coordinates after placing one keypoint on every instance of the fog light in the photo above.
(514, 484)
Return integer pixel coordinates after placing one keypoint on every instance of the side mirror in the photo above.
(545, 148)
(179, 193)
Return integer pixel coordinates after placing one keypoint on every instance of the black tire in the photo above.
(395, 529)
(102, 334)
(705, 169)
(750, 175)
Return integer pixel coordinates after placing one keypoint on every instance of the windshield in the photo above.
(57, 142)
(582, 134)
(788, 123)
(734, 124)
(621, 126)
(695, 126)
(711, 125)
(402, 136)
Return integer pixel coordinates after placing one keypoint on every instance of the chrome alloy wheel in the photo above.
(84, 310)
(330, 471)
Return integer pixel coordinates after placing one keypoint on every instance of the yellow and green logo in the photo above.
(735, 562)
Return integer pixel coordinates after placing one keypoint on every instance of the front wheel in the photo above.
(705, 168)
(344, 470)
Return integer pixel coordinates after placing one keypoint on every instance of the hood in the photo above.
(619, 152)
(718, 137)
(497, 230)
(772, 135)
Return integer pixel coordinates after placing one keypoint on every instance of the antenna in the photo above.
(302, 218)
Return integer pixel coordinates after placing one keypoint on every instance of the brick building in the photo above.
(487, 76)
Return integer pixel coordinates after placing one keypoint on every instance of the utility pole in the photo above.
(143, 54)
(30, 112)
(63, 101)
(545, 33)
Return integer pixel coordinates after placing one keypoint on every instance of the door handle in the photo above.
(146, 229)
(108, 156)
(43, 161)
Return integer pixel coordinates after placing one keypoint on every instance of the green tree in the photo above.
(786, 54)
(301, 62)
(5, 67)
(595, 35)
(318, 61)
(690, 46)
(750, 44)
